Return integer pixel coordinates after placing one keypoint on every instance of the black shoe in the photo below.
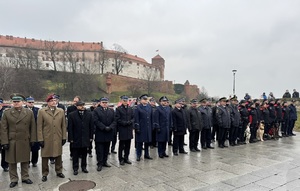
(28, 181)
(170, 144)
(60, 175)
(221, 146)
(13, 184)
(106, 165)
(161, 156)
(204, 147)
(44, 178)
(225, 146)
(165, 155)
(293, 134)
(176, 154)
(148, 157)
(122, 162)
(127, 161)
(210, 147)
(5, 169)
(138, 158)
(34, 165)
(193, 150)
(75, 172)
(198, 150)
(113, 152)
(183, 152)
(52, 161)
(85, 170)
(99, 168)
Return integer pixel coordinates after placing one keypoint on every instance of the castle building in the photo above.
(77, 57)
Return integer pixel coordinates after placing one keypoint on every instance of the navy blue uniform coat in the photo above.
(104, 119)
(143, 123)
(162, 121)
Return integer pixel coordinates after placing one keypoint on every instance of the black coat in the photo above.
(179, 121)
(102, 119)
(206, 117)
(235, 116)
(124, 118)
(194, 119)
(272, 113)
(278, 109)
(223, 117)
(143, 123)
(244, 114)
(80, 128)
(286, 114)
(295, 95)
(293, 112)
(163, 121)
(253, 117)
(265, 115)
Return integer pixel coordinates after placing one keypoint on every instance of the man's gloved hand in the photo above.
(107, 128)
(158, 130)
(6, 146)
(42, 144)
(137, 131)
(63, 142)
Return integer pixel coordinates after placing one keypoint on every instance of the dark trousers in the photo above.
(233, 133)
(76, 153)
(205, 137)
(34, 157)
(113, 143)
(102, 150)
(222, 136)
(4, 164)
(139, 147)
(291, 127)
(267, 128)
(170, 137)
(178, 142)
(215, 131)
(71, 151)
(154, 142)
(253, 130)
(124, 147)
(194, 139)
(242, 132)
(161, 148)
(90, 148)
(285, 127)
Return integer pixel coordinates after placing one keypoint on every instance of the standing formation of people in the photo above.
(26, 130)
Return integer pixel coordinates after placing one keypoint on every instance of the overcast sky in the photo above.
(201, 40)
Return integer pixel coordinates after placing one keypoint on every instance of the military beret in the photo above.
(50, 97)
(104, 99)
(1, 100)
(223, 99)
(144, 96)
(194, 101)
(163, 98)
(80, 103)
(17, 97)
(30, 99)
(203, 100)
(243, 101)
(124, 97)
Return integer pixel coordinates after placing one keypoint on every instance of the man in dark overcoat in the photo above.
(223, 117)
(207, 125)
(36, 146)
(180, 124)
(4, 164)
(18, 134)
(80, 134)
(195, 125)
(293, 118)
(143, 127)
(104, 121)
(235, 121)
(124, 118)
(162, 124)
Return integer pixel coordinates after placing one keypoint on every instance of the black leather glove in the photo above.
(42, 144)
(107, 128)
(31, 144)
(63, 142)
(158, 130)
(6, 147)
(137, 131)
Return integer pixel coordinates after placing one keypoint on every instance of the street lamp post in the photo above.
(234, 71)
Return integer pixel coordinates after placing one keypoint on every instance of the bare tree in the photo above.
(102, 59)
(53, 49)
(151, 76)
(203, 93)
(6, 76)
(70, 57)
(119, 58)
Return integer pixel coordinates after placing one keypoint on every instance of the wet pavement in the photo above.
(270, 165)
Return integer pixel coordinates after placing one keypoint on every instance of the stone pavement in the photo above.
(270, 165)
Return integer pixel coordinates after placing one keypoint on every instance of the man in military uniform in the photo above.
(124, 118)
(207, 125)
(152, 102)
(285, 119)
(223, 117)
(293, 118)
(235, 120)
(254, 122)
(104, 121)
(36, 146)
(52, 135)
(4, 164)
(244, 121)
(162, 124)
(18, 134)
(194, 125)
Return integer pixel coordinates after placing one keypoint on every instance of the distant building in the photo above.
(77, 57)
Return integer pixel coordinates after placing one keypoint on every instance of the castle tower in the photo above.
(159, 62)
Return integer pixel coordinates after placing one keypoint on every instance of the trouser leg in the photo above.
(139, 146)
(13, 174)
(34, 156)
(146, 149)
(105, 151)
(181, 143)
(58, 164)
(175, 143)
(127, 149)
(83, 153)
(75, 158)
(45, 166)
(121, 149)
(24, 170)
(4, 164)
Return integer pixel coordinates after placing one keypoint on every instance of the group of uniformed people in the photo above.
(25, 129)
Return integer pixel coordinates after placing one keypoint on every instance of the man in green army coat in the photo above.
(18, 134)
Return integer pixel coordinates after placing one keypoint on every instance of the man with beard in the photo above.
(194, 125)
(162, 124)
(18, 134)
(52, 135)
(235, 120)
(206, 125)
(104, 121)
(180, 124)
(124, 119)
(223, 117)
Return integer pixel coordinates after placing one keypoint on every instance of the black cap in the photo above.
(203, 100)
(152, 99)
(163, 98)
(95, 100)
(144, 96)
(194, 101)
(234, 98)
(80, 103)
(243, 101)
(177, 101)
(223, 99)
(255, 100)
(104, 99)
(124, 97)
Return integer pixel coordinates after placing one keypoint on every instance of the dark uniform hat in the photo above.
(255, 100)
(95, 100)
(178, 101)
(243, 101)
(30, 99)
(57, 96)
(80, 103)
(194, 101)
(50, 97)
(17, 97)
(144, 96)
(152, 99)
(203, 100)
(163, 98)
(124, 97)
(250, 104)
(104, 99)
(234, 98)
(223, 99)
